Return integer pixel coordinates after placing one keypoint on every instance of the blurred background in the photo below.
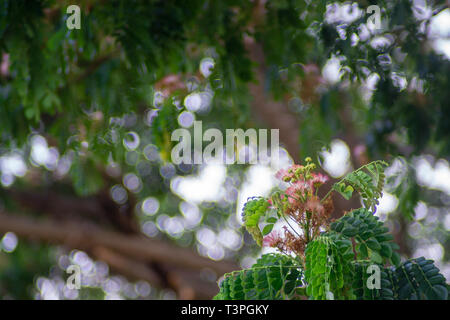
(86, 117)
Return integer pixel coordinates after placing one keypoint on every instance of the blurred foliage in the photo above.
(20, 268)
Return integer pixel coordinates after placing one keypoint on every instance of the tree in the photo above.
(87, 114)
(347, 259)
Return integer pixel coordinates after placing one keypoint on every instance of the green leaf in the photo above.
(368, 181)
(363, 251)
(409, 280)
(272, 277)
(440, 292)
(373, 244)
(348, 191)
(349, 232)
(386, 250)
(267, 229)
(368, 231)
(395, 258)
(339, 226)
(252, 213)
(375, 257)
(327, 269)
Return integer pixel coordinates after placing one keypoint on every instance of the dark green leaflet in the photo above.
(272, 277)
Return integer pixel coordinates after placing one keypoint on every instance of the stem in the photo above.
(302, 200)
(284, 217)
(354, 248)
(353, 172)
(293, 220)
(308, 216)
(329, 193)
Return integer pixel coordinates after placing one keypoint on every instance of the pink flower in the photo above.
(314, 205)
(289, 173)
(296, 189)
(281, 174)
(318, 179)
(272, 239)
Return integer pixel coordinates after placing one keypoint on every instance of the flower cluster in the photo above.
(300, 207)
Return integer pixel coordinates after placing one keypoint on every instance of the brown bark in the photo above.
(275, 114)
(131, 269)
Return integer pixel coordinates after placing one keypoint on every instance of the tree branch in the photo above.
(131, 269)
(86, 236)
(274, 114)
